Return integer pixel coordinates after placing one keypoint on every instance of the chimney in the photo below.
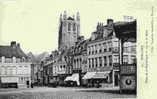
(109, 22)
(13, 44)
(18, 45)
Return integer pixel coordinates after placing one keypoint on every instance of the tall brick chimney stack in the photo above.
(18, 45)
(13, 44)
(109, 22)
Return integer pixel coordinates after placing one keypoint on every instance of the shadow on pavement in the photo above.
(110, 91)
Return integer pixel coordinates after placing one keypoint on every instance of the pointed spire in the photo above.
(65, 15)
(60, 17)
(98, 26)
(78, 16)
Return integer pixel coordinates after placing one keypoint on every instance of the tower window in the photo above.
(74, 27)
(69, 26)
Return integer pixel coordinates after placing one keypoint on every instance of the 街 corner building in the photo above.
(15, 67)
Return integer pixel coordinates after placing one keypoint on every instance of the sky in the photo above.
(34, 23)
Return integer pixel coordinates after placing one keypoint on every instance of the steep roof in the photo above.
(9, 51)
(122, 29)
(125, 29)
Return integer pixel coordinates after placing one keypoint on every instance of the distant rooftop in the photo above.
(13, 50)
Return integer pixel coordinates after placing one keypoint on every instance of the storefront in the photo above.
(97, 79)
(73, 78)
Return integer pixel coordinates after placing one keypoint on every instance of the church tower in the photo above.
(69, 30)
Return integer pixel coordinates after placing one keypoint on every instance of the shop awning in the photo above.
(68, 78)
(101, 75)
(74, 77)
(89, 75)
(96, 75)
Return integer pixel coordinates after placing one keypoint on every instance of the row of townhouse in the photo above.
(106, 59)
(96, 62)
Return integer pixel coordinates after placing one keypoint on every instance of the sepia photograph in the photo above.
(82, 49)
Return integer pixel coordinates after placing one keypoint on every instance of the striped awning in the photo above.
(89, 75)
(96, 75)
(101, 75)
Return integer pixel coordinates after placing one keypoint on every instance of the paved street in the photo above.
(61, 93)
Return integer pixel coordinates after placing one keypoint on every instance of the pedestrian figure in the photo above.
(27, 84)
(31, 85)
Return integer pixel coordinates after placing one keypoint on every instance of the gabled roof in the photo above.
(9, 51)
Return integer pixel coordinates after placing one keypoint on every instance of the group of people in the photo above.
(29, 84)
